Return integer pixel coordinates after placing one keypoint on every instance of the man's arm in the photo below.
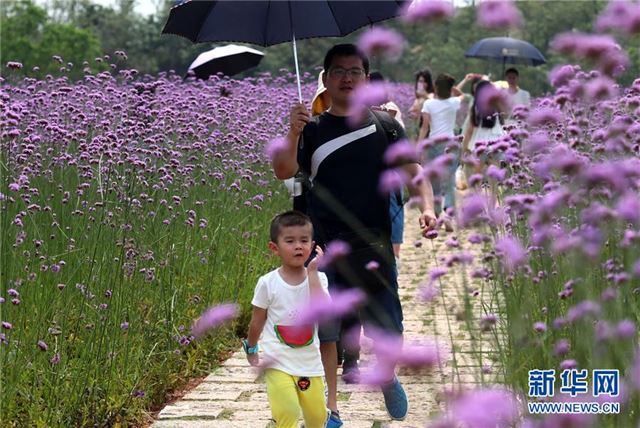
(285, 162)
(424, 191)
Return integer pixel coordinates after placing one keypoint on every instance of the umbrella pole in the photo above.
(295, 59)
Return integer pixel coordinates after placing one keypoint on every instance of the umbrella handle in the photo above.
(295, 59)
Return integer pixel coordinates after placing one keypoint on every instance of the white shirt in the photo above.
(443, 115)
(283, 303)
(521, 97)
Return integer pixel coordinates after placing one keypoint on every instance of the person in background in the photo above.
(321, 100)
(484, 125)
(295, 374)
(424, 90)
(439, 120)
(517, 95)
(462, 119)
(467, 100)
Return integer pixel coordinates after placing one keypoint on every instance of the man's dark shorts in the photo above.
(382, 309)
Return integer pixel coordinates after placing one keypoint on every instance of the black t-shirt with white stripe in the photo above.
(344, 164)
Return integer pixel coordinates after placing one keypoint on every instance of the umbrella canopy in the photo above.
(269, 22)
(506, 50)
(266, 23)
(229, 60)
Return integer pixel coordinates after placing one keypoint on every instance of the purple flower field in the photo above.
(129, 205)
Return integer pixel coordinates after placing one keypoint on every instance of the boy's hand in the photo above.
(253, 359)
(299, 117)
(313, 264)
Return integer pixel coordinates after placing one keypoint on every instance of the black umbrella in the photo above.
(229, 60)
(506, 50)
(269, 22)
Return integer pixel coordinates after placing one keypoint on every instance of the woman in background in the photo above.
(424, 90)
(439, 120)
(484, 123)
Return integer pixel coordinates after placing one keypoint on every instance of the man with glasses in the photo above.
(345, 164)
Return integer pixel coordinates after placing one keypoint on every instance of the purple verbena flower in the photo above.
(560, 75)
(382, 42)
(561, 347)
(512, 253)
(582, 309)
(341, 303)
(334, 251)
(626, 329)
(540, 327)
(400, 153)
(213, 317)
(275, 147)
(372, 265)
(568, 364)
(392, 180)
(427, 10)
(498, 15)
(487, 321)
(620, 15)
(488, 407)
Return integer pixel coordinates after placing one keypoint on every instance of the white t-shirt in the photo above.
(282, 302)
(443, 115)
(521, 97)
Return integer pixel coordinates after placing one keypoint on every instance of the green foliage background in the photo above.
(79, 30)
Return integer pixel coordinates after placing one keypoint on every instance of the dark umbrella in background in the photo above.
(506, 50)
(270, 22)
(228, 60)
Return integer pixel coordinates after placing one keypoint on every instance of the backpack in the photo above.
(386, 127)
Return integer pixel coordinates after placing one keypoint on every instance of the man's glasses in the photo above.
(354, 73)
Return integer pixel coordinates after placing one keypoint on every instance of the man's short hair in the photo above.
(287, 219)
(346, 49)
(512, 70)
(444, 83)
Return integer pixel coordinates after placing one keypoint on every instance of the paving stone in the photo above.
(190, 409)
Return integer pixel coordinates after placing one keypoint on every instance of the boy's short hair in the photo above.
(444, 83)
(287, 219)
(345, 49)
(512, 70)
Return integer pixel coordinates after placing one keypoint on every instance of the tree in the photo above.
(30, 37)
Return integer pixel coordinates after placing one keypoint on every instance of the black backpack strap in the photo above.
(386, 127)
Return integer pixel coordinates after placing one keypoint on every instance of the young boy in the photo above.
(292, 351)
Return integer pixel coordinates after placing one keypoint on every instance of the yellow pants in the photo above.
(288, 394)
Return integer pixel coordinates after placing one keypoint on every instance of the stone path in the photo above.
(234, 396)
